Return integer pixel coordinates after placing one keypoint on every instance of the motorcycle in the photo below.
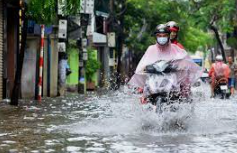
(221, 89)
(162, 86)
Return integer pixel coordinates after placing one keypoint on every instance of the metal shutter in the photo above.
(1, 49)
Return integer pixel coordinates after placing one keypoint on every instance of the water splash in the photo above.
(120, 113)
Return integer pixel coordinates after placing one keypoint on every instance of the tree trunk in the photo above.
(214, 29)
(120, 47)
(17, 81)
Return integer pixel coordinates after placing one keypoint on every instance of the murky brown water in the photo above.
(117, 123)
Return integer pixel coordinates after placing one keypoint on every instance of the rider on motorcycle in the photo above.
(219, 70)
(164, 50)
(174, 29)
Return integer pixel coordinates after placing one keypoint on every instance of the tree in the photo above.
(17, 81)
(143, 16)
(45, 11)
(195, 17)
(92, 65)
(217, 15)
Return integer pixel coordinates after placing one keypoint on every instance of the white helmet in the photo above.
(219, 58)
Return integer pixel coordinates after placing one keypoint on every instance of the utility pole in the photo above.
(111, 35)
(87, 9)
(41, 65)
(111, 6)
(82, 48)
(22, 44)
(62, 39)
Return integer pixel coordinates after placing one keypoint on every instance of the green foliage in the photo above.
(194, 18)
(232, 42)
(92, 65)
(155, 12)
(42, 11)
(142, 16)
(195, 38)
(45, 11)
(72, 43)
(213, 12)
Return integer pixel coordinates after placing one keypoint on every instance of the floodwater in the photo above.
(115, 122)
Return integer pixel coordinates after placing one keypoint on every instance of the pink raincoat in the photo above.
(189, 71)
(218, 70)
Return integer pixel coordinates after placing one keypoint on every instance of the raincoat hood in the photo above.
(170, 52)
(219, 69)
(157, 52)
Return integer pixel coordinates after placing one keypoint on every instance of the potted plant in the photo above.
(92, 65)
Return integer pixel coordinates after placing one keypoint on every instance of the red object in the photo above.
(140, 90)
(219, 68)
(178, 44)
(41, 63)
(174, 29)
(143, 100)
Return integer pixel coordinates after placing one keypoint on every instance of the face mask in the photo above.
(162, 40)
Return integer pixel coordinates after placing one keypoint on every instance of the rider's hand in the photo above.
(143, 100)
(140, 90)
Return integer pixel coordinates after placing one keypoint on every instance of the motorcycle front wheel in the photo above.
(159, 105)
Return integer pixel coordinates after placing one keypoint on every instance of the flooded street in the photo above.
(116, 122)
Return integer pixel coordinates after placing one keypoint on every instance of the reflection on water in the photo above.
(116, 122)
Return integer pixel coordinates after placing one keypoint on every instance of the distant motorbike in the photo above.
(162, 86)
(221, 89)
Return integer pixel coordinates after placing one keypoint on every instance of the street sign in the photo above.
(99, 38)
(85, 56)
(87, 6)
(61, 47)
(103, 14)
(81, 64)
(111, 62)
(84, 42)
(111, 39)
(62, 32)
(102, 8)
(84, 50)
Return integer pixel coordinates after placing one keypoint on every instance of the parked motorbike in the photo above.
(221, 89)
(162, 87)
